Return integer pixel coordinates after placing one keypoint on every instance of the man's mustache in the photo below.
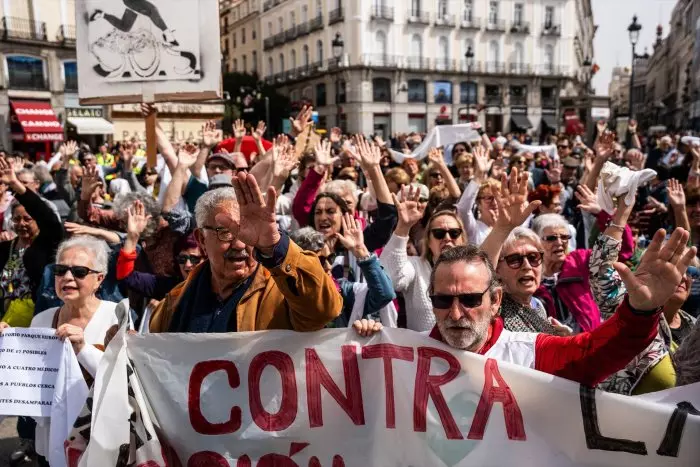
(236, 255)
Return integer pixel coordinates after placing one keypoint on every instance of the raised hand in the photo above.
(659, 272)
(605, 145)
(323, 155)
(284, 161)
(335, 135)
(7, 172)
(137, 219)
(481, 163)
(635, 159)
(602, 125)
(91, 180)
(68, 149)
(513, 208)
(435, 157)
(302, 120)
(554, 172)
(676, 194)
(282, 140)
(410, 208)
(126, 154)
(632, 127)
(239, 129)
(352, 237)
(259, 131)
(210, 136)
(77, 229)
(588, 200)
(257, 226)
(187, 156)
(148, 109)
(367, 154)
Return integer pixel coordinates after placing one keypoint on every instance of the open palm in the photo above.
(659, 272)
(513, 208)
(410, 209)
(257, 226)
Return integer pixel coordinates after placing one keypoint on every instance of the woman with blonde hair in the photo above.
(411, 275)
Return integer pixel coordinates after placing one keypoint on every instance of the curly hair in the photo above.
(545, 193)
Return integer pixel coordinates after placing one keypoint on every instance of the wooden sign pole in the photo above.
(151, 144)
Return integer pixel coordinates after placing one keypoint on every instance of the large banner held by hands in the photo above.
(330, 398)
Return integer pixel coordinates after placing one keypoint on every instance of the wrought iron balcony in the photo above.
(518, 100)
(20, 28)
(316, 23)
(475, 67)
(291, 33)
(380, 60)
(520, 69)
(66, 34)
(552, 30)
(498, 25)
(470, 23)
(520, 27)
(303, 29)
(382, 13)
(495, 67)
(268, 5)
(279, 38)
(418, 17)
(418, 63)
(336, 16)
(444, 64)
(445, 21)
(269, 43)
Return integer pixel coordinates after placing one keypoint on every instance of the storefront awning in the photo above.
(521, 121)
(91, 125)
(550, 121)
(34, 121)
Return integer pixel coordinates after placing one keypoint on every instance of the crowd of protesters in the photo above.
(492, 245)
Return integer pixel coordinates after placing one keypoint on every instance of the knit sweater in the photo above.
(411, 277)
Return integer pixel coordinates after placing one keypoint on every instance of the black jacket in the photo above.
(42, 251)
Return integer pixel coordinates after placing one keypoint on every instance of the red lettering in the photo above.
(244, 462)
(429, 386)
(388, 352)
(287, 412)
(200, 424)
(317, 375)
(491, 394)
(207, 459)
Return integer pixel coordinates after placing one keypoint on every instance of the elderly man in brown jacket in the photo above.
(254, 278)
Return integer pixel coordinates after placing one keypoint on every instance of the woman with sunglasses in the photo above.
(411, 274)
(23, 258)
(83, 319)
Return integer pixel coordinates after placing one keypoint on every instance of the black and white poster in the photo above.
(128, 49)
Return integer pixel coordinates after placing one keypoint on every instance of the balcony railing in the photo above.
(496, 25)
(270, 79)
(417, 63)
(380, 60)
(551, 70)
(269, 43)
(303, 29)
(495, 67)
(336, 16)
(316, 23)
(268, 5)
(445, 21)
(476, 67)
(551, 30)
(418, 17)
(444, 64)
(279, 38)
(519, 69)
(291, 33)
(493, 100)
(19, 28)
(520, 27)
(382, 13)
(470, 23)
(518, 100)
(66, 34)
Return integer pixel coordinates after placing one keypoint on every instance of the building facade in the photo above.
(619, 92)
(403, 68)
(240, 35)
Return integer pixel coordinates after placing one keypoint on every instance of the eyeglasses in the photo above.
(183, 259)
(467, 300)
(330, 258)
(563, 147)
(439, 234)
(515, 261)
(554, 238)
(79, 272)
(222, 233)
(435, 175)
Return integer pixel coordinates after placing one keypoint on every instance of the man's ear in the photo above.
(199, 236)
(496, 301)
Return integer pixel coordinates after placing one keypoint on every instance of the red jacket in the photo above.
(587, 358)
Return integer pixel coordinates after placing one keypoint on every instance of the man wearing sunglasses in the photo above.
(466, 298)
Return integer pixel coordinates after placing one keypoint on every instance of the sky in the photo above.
(612, 46)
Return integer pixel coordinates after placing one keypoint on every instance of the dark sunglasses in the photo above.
(467, 300)
(435, 175)
(515, 261)
(194, 259)
(563, 147)
(241, 170)
(440, 233)
(79, 272)
(554, 238)
(330, 258)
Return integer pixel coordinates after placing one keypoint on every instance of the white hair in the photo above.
(341, 188)
(209, 201)
(522, 233)
(119, 186)
(97, 250)
(548, 221)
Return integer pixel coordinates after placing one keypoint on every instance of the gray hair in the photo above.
(209, 201)
(469, 254)
(308, 239)
(522, 233)
(119, 186)
(42, 174)
(97, 249)
(548, 221)
(341, 188)
(124, 201)
(28, 172)
(686, 360)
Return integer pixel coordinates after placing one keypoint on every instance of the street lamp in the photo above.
(338, 47)
(469, 56)
(633, 30)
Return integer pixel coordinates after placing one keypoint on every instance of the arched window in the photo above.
(381, 90)
(293, 63)
(292, 20)
(319, 51)
(270, 67)
(305, 55)
(70, 75)
(281, 63)
(443, 53)
(518, 58)
(380, 43)
(494, 56)
(280, 24)
(269, 29)
(304, 13)
(416, 46)
(25, 72)
(549, 58)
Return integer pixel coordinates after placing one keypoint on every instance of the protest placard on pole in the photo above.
(132, 51)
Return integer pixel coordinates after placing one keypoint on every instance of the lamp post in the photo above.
(338, 46)
(469, 56)
(633, 30)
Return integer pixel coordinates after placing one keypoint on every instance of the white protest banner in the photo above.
(441, 135)
(330, 398)
(29, 363)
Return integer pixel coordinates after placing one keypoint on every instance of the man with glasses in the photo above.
(466, 298)
(254, 277)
